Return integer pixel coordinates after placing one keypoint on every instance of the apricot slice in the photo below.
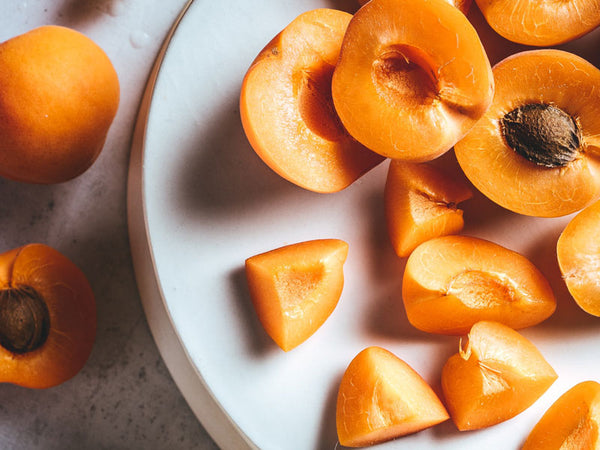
(287, 111)
(541, 23)
(495, 376)
(421, 203)
(412, 78)
(381, 397)
(59, 94)
(452, 282)
(535, 151)
(295, 288)
(578, 252)
(571, 423)
(47, 317)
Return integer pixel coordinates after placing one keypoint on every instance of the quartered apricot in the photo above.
(541, 23)
(47, 317)
(287, 111)
(571, 423)
(578, 252)
(381, 397)
(452, 282)
(421, 202)
(412, 78)
(496, 375)
(535, 151)
(295, 288)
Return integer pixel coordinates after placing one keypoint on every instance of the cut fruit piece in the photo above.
(535, 151)
(295, 288)
(452, 282)
(578, 252)
(381, 398)
(421, 204)
(412, 78)
(462, 5)
(571, 423)
(495, 376)
(541, 23)
(287, 111)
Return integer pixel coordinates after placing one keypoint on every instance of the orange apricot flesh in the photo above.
(421, 203)
(452, 282)
(47, 320)
(462, 5)
(495, 376)
(412, 78)
(287, 111)
(578, 253)
(535, 150)
(381, 397)
(295, 288)
(541, 23)
(571, 423)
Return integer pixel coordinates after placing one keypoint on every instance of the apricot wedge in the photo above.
(535, 152)
(421, 203)
(412, 78)
(287, 111)
(452, 282)
(578, 252)
(571, 423)
(496, 375)
(295, 288)
(381, 397)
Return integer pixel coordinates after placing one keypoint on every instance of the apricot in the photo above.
(287, 111)
(578, 253)
(452, 282)
(462, 5)
(421, 203)
(541, 24)
(495, 376)
(534, 150)
(412, 78)
(47, 317)
(295, 288)
(571, 423)
(381, 397)
(59, 94)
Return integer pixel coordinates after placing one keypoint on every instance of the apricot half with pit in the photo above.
(287, 111)
(578, 253)
(412, 78)
(295, 288)
(452, 282)
(496, 375)
(381, 397)
(47, 317)
(535, 151)
(59, 94)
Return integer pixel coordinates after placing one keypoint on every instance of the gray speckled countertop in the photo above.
(124, 398)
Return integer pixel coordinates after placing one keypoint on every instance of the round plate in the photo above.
(201, 202)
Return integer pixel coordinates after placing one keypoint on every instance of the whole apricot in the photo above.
(59, 94)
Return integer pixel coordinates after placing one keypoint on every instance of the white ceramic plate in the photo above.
(201, 202)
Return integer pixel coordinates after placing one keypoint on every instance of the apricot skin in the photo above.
(72, 309)
(59, 94)
(452, 282)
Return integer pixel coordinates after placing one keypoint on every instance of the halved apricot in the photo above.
(295, 288)
(571, 423)
(47, 317)
(578, 252)
(535, 151)
(421, 203)
(287, 111)
(495, 376)
(452, 282)
(381, 397)
(412, 78)
(541, 23)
